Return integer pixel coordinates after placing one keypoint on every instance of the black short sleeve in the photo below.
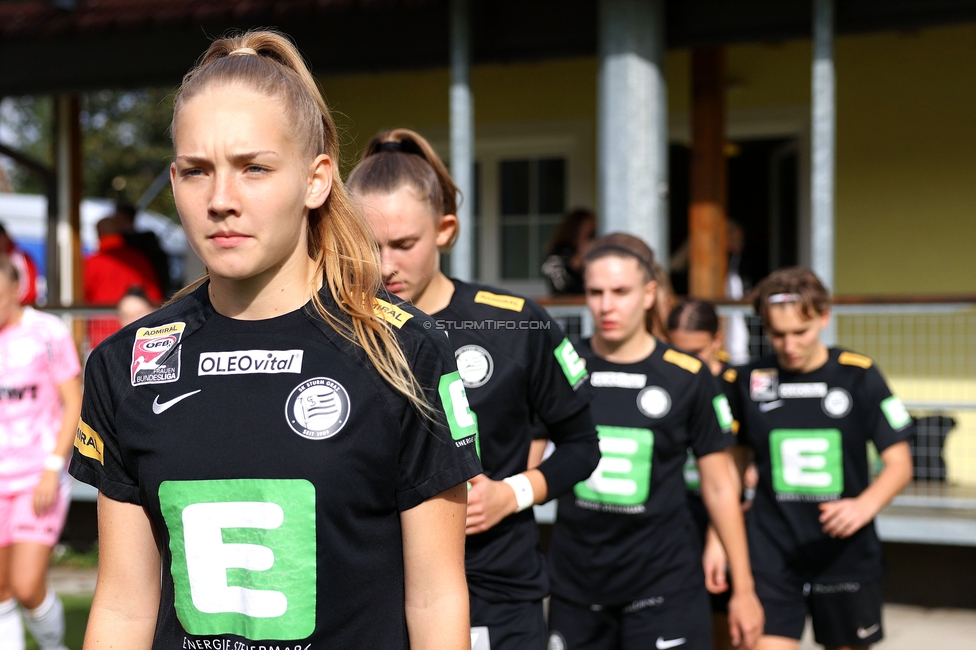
(97, 458)
(438, 450)
(710, 421)
(887, 420)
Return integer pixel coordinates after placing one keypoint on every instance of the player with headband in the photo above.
(281, 452)
(625, 557)
(807, 412)
(521, 375)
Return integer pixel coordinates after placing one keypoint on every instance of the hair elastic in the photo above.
(243, 51)
(391, 145)
(606, 248)
(781, 298)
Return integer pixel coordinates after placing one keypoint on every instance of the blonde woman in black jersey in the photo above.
(273, 457)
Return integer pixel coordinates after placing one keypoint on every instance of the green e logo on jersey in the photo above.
(569, 360)
(244, 558)
(807, 461)
(623, 477)
(460, 417)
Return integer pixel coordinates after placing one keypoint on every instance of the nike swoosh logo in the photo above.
(661, 644)
(766, 407)
(865, 632)
(159, 408)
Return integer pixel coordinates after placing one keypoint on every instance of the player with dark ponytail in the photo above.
(523, 379)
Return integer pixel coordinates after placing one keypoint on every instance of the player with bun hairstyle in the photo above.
(285, 444)
(694, 328)
(522, 378)
(624, 555)
(807, 413)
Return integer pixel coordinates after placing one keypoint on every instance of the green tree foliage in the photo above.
(25, 123)
(125, 142)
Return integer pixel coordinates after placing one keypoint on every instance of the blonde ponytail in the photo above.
(339, 241)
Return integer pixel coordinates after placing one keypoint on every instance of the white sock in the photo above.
(11, 626)
(46, 622)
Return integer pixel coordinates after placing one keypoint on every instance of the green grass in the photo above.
(76, 618)
(67, 556)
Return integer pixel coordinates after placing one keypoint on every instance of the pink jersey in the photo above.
(36, 356)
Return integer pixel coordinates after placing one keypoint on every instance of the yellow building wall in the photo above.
(906, 136)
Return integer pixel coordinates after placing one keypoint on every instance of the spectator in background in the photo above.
(117, 267)
(563, 267)
(134, 305)
(147, 243)
(110, 273)
(39, 407)
(26, 268)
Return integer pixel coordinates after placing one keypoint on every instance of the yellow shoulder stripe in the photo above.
(730, 375)
(682, 360)
(510, 303)
(89, 443)
(391, 313)
(852, 359)
(735, 427)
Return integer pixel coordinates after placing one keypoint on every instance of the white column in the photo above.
(64, 291)
(824, 125)
(632, 133)
(462, 137)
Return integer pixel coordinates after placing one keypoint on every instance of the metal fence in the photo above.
(927, 353)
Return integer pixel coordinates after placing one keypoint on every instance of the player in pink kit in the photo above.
(40, 404)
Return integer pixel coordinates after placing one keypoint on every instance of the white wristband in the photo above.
(54, 463)
(524, 494)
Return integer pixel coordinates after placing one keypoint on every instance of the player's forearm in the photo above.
(576, 455)
(721, 498)
(893, 478)
(111, 627)
(726, 515)
(439, 622)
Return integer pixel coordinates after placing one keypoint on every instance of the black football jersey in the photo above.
(520, 373)
(626, 533)
(809, 432)
(274, 463)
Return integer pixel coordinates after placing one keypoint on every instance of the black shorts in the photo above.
(507, 626)
(843, 613)
(682, 621)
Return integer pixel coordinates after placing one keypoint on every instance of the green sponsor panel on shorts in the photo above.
(462, 420)
(807, 461)
(623, 477)
(569, 360)
(723, 411)
(896, 413)
(244, 556)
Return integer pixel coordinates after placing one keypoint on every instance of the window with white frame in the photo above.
(532, 200)
(527, 176)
